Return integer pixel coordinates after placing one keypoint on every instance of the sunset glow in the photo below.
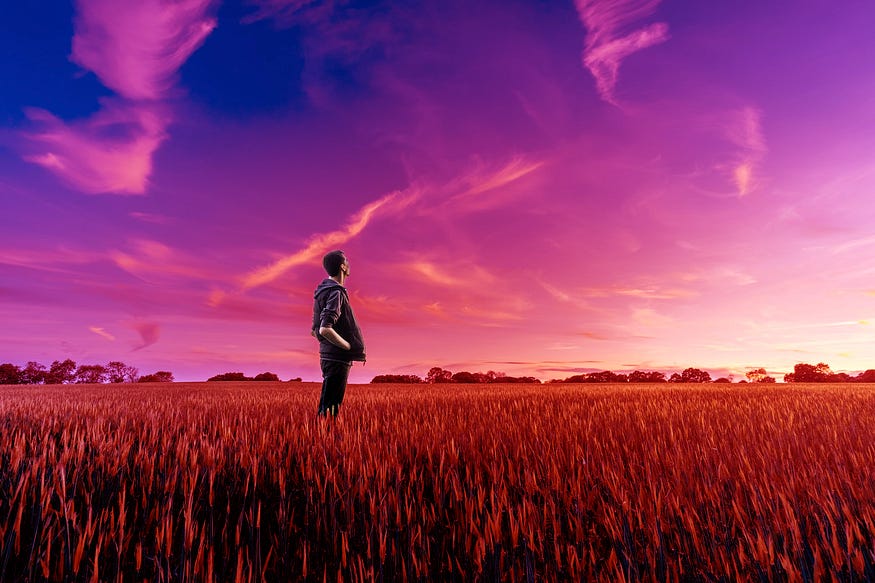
(539, 188)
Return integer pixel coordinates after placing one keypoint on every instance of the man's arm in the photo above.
(331, 335)
(330, 315)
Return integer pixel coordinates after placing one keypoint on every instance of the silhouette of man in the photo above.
(334, 325)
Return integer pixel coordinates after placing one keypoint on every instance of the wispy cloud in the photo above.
(609, 38)
(149, 333)
(153, 218)
(58, 260)
(102, 333)
(469, 275)
(331, 32)
(146, 259)
(109, 153)
(565, 296)
(320, 243)
(744, 129)
(650, 318)
(655, 294)
(284, 11)
(136, 49)
(481, 188)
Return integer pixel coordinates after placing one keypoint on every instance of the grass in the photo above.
(240, 482)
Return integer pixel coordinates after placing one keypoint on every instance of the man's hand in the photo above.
(333, 337)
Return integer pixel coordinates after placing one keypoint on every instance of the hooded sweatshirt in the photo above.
(331, 309)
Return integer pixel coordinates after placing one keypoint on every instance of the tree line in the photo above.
(438, 375)
(802, 373)
(821, 373)
(239, 376)
(62, 372)
(68, 372)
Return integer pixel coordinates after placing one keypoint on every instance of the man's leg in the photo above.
(334, 377)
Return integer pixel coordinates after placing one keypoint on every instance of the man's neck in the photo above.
(340, 278)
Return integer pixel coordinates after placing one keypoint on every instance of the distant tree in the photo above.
(266, 376)
(576, 378)
(162, 376)
(115, 371)
(295, 380)
(33, 373)
(605, 376)
(519, 380)
(132, 374)
(397, 378)
(640, 376)
(759, 375)
(755, 375)
(10, 374)
(230, 376)
(723, 380)
(61, 372)
(119, 372)
(438, 375)
(866, 376)
(675, 378)
(809, 373)
(494, 377)
(694, 375)
(465, 377)
(90, 373)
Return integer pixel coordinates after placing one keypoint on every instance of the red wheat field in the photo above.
(239, 482)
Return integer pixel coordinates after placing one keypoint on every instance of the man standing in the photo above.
(334, 325)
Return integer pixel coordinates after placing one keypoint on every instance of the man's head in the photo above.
(335, 262)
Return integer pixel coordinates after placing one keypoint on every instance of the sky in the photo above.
(539, 187)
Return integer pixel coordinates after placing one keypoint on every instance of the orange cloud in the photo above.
(101, 332)
(323, 242)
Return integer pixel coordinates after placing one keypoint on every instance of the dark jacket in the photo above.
(331, 309)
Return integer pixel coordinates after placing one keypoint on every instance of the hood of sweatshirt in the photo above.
(325, 285)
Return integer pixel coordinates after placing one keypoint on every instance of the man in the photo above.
(340, 340)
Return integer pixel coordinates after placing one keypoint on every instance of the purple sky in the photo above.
(539, 188)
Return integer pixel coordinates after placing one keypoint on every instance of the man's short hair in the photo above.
(332, 262)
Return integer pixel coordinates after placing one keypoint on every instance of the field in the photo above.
(239, 482)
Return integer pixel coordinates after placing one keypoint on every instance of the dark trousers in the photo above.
(334, 376)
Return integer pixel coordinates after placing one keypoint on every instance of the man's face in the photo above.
(345, 267)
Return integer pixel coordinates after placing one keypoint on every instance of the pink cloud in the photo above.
(136, 47)
(607, 45)
(744, 129)
(109, 153)
(149, 333)
(148, 259)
